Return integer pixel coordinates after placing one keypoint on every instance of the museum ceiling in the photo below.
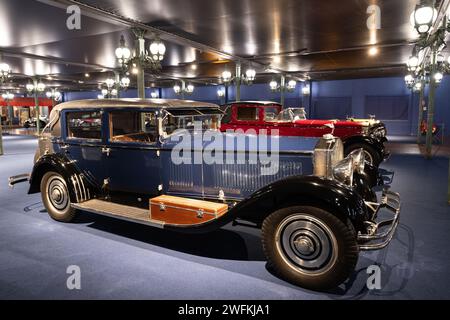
(307, 38)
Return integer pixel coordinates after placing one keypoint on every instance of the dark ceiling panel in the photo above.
(251, 27)
(262, 31)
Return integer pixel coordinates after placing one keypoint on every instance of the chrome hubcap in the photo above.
(57, 193)
(306, 244)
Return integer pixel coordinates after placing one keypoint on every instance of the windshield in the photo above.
(292, 114)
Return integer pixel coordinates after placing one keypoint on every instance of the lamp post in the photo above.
(183, 89)
(432, 40)
(421, 87)
(247, 78)
(430, 113)
(282, 87)
(36, 88)
(142, 58)
(113, 86)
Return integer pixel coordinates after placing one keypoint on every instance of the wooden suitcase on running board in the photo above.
(178, 210)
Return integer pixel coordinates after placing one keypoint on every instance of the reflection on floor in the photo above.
(20, 131)
(408, 145)
(123, 260)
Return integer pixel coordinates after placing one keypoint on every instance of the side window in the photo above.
(270, 113)
(133, 126)
(248, 113)
(84, 125)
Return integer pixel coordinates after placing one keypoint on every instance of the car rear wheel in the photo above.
(309, 247)
(56, 198)
(371, 155)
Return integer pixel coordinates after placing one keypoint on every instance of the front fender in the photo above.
(80, 187)
(309, 190)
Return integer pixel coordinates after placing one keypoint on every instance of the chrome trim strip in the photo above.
(75, 188)
(77, 179)
(84, 187)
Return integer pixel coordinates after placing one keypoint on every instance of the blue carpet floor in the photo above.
(121, 260)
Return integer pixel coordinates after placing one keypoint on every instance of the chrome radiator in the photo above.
(328, 151)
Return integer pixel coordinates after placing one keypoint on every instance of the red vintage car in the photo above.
(268, 116)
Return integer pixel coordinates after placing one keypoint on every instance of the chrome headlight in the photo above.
(359, 160)
(379, 132)
(343, 171)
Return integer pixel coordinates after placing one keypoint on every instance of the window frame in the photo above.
(65, 128)
(258, 113)
(110, 128)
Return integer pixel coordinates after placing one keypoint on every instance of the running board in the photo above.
(119, 211)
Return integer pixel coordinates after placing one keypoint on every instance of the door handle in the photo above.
(106, 150)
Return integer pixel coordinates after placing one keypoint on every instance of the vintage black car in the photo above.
(164, 163)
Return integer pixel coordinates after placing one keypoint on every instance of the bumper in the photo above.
(380, 233)
(18, 179)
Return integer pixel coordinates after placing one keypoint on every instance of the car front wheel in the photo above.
(56, 198)
(309, 247)
(370, 154)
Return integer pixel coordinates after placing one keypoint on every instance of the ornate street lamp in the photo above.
(36, 88)
(226, 77)
(141, 58)
(424, 16)
(8, 96)
(123, 54)
(413, 63)
(183, 89)
(283, 87)
(157, 50)
(125, 82)
(438, 76)
(221, 93)
(54, 94)
(409, 80)
(248, 78)
(306, 91)
(5, 71)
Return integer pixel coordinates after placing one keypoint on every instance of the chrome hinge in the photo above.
(162, 207)
(200, 213)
